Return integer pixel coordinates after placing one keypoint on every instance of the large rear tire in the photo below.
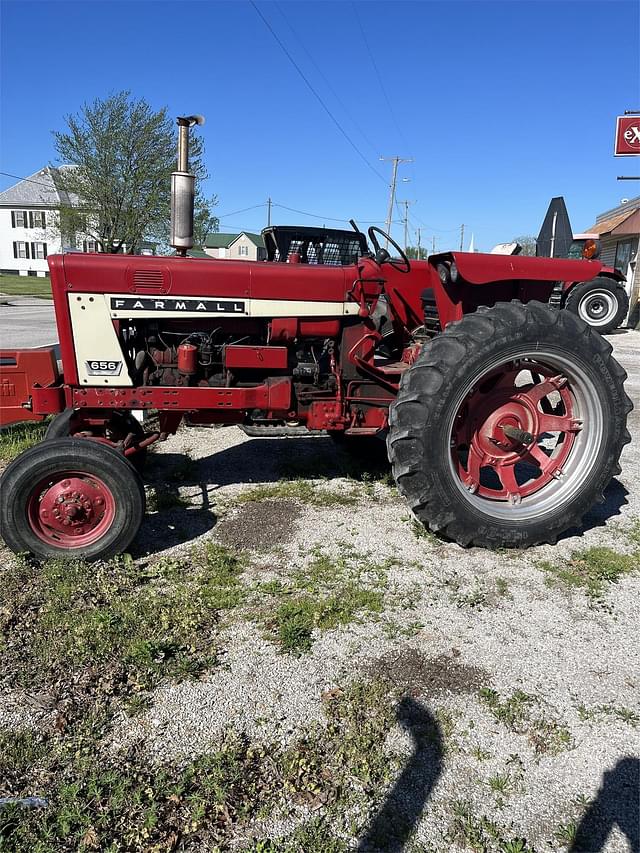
(601, 303)
(546, 378)
(70, 498)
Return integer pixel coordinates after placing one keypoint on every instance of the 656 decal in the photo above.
(96, 367)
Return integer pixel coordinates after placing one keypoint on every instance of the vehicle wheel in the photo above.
(509, 426)
(601, 303)
(70, 498)
(66, 424)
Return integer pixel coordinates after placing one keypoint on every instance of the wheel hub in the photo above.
(73, 509)
(503, 429)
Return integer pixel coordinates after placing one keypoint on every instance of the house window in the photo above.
(243, 251)
(39, 250)
(90, 245)
(37, 219)
(20, 249)
(19, 219)
(624, 255)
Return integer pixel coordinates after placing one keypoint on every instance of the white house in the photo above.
(244, 246)
(29, 223)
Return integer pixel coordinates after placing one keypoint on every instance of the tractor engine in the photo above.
(173, 353)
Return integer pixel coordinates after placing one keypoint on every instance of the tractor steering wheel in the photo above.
(404, 265)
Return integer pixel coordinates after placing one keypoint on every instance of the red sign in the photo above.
(627, 136)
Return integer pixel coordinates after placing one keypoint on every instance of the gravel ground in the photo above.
(457, 622)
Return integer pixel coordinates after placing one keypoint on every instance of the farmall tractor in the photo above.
(504, 418)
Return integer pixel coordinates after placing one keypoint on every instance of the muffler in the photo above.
(183, 190)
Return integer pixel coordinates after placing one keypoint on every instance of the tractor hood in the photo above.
(477, 268)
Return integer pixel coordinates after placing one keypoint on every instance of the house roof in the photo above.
(623, 219)
(223, 241)
(256, 239)
(220, 241)
(627, 222)
(42, 189)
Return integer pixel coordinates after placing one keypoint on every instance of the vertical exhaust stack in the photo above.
(183, 190)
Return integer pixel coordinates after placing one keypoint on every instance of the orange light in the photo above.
(591, 249)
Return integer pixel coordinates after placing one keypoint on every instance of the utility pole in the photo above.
(433, 245)
(405, 219)
(392, 187)
(419, 251)
(461, 236)
(268, 211)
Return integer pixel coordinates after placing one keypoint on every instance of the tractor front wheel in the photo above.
(509, 426)
(70, 498)
(115, 432)
(601, 303)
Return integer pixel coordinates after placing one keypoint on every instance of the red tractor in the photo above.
(504, 418)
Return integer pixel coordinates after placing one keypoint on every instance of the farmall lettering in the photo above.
(208, 306)
(627, 136)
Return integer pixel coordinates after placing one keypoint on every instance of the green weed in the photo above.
(324, 594)
(591, 570)
(516, 713)
(18, 437)
(100, 799)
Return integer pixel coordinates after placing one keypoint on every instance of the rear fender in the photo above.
(30, 386)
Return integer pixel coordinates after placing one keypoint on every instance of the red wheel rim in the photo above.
(71, 509)
(540, 425)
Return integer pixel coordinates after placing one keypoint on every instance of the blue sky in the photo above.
(501, 104)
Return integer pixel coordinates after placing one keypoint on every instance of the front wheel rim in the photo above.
(554, 432)
(70, 509)
(598, 307)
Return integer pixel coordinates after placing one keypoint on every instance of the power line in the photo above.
(28, 180)
(244, 210)
(316, 95)
(327, 82)
(378, 75)
(328, 218)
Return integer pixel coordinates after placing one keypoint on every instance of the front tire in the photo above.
(68, 424)
(549, 381)
(601, 303)
(70, 498)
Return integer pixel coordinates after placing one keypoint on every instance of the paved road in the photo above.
(26, 322)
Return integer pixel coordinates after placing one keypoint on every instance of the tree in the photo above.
(412, 252)
(119, 190)
(528, 243)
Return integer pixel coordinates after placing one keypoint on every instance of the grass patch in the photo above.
(478, 832)
(633, 532)
(309, 493)
(326, 593)
(598, 712)
(103, 800)
(116, 623)
(18, 437)
(591, 570)
(516, 712)
(26, 285)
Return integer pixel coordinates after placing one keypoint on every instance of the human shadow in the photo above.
(616, 804)
(398, 816)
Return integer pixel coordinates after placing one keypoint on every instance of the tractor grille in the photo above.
(148, 281)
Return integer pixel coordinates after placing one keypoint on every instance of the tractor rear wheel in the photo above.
(509, 426)
(601, 303)
(71, 498)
